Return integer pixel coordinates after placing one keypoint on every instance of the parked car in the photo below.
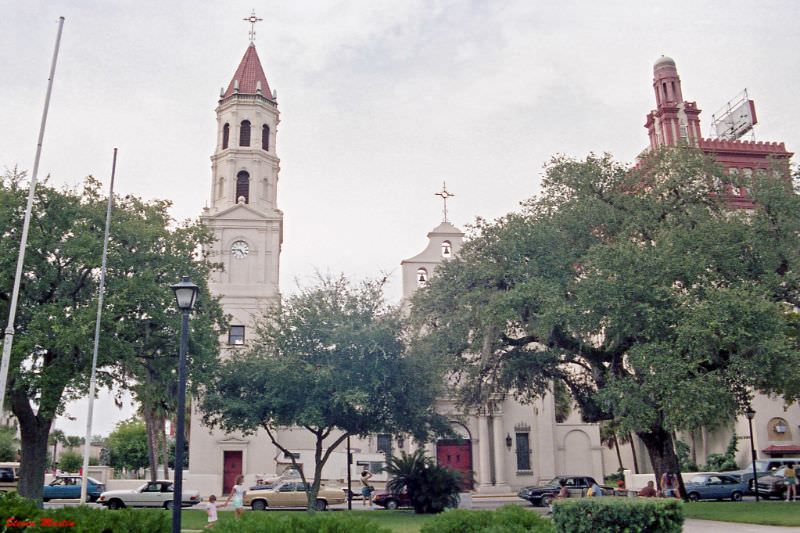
(151, 494)
(69, 488)
(391, 501)
(292, 494)
(544, 494)
(9, 476)
(772, 485)
(715, 486)
(764, 467)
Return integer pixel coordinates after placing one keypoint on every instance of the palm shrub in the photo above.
(431, 488)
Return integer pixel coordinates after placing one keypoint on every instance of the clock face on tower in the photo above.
(239, 250)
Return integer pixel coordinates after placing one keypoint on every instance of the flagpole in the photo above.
(101, 293)
(12, 310)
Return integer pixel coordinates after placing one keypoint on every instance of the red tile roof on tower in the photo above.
(248, 75)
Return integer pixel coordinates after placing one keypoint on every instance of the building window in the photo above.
(226, 135)
(244, 133)
(236, 336)
(289, 455)
(265, 138)
(684, 131)
(523, 451)
(384, 443)
(373, 467)
(447, 249)
(243, 186)
(422, 277)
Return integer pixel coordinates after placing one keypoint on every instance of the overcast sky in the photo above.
(380, 102)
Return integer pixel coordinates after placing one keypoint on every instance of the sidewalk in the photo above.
(710, 526)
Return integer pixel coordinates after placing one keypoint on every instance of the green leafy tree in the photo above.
(431, 488)
(330, 360)
(70, 461)
(127, 445)
(52, 353)
(9, 444)
(724, 462)
(655, 304)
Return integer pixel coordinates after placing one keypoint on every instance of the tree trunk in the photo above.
(152, 445)
(662, 455)
(619, 455)
(633, 453)
(693, 436)
(164, 445)
(34, 432)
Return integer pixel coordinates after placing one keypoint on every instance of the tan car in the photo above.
(292, 494)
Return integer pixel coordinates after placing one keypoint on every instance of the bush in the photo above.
(70, 461)
(431, 488)
(256, 522)
(608, 514)
(80, 519)
(507, 519)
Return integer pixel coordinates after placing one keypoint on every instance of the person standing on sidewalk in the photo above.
(790, 479)
(366, 488)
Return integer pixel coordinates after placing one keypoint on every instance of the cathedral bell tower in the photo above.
(674, 121)
(243, 210)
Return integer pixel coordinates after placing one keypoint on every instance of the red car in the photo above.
(391, 501)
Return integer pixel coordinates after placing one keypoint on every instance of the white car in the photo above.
(151, 494)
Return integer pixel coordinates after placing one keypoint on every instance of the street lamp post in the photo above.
(749, 413)
(185, 295)
(349, 478)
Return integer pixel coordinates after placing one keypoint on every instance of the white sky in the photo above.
(380, 102)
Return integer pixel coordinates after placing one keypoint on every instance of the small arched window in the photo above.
(422, 277)
(243, 186)
(244, 133)
(265, 138)
(447, 249)
(226, 135)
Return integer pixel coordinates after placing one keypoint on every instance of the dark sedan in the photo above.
(772, 485)
(391, 501)
(544, 494)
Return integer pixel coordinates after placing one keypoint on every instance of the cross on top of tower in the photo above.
(444, 194)
(252, 19)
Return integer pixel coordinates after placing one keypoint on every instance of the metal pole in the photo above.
(100, 294)
(12, 310)
(177, 498)
(349, 479)
(753, 453)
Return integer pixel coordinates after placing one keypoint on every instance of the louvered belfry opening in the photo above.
(244, 133)
(243, 186)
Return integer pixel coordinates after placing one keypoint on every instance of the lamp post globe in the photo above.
(185, 297)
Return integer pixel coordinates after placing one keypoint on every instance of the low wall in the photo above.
(639, 481)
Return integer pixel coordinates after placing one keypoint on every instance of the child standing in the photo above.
(211, 511)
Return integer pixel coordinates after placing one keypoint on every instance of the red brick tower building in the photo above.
(677, 121)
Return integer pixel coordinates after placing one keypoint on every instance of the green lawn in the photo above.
(398, 521)
(776, 513)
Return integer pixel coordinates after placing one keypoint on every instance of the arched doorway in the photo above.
(456, 454)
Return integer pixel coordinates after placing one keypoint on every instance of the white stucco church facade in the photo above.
(500, 447)
(505, 444)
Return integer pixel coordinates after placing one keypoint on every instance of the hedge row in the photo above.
(21, 514)
(506, 519)
(608, 514)
(256, 522)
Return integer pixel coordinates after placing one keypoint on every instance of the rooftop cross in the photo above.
(252, 19)
(445, 195)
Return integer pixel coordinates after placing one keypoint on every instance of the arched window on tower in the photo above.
(447, 249)
(243, 186)
(265, 138)
(226, 135)
(422, 277)
(244, 133)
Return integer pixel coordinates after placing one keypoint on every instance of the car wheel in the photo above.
(321, 505)
(116, 504)
(693, 497)
(736, 496)
(547, 500)
(259, 505)
(168, 505)
(391, 504)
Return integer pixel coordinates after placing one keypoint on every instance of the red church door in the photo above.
(456, 454)
(232, 467)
